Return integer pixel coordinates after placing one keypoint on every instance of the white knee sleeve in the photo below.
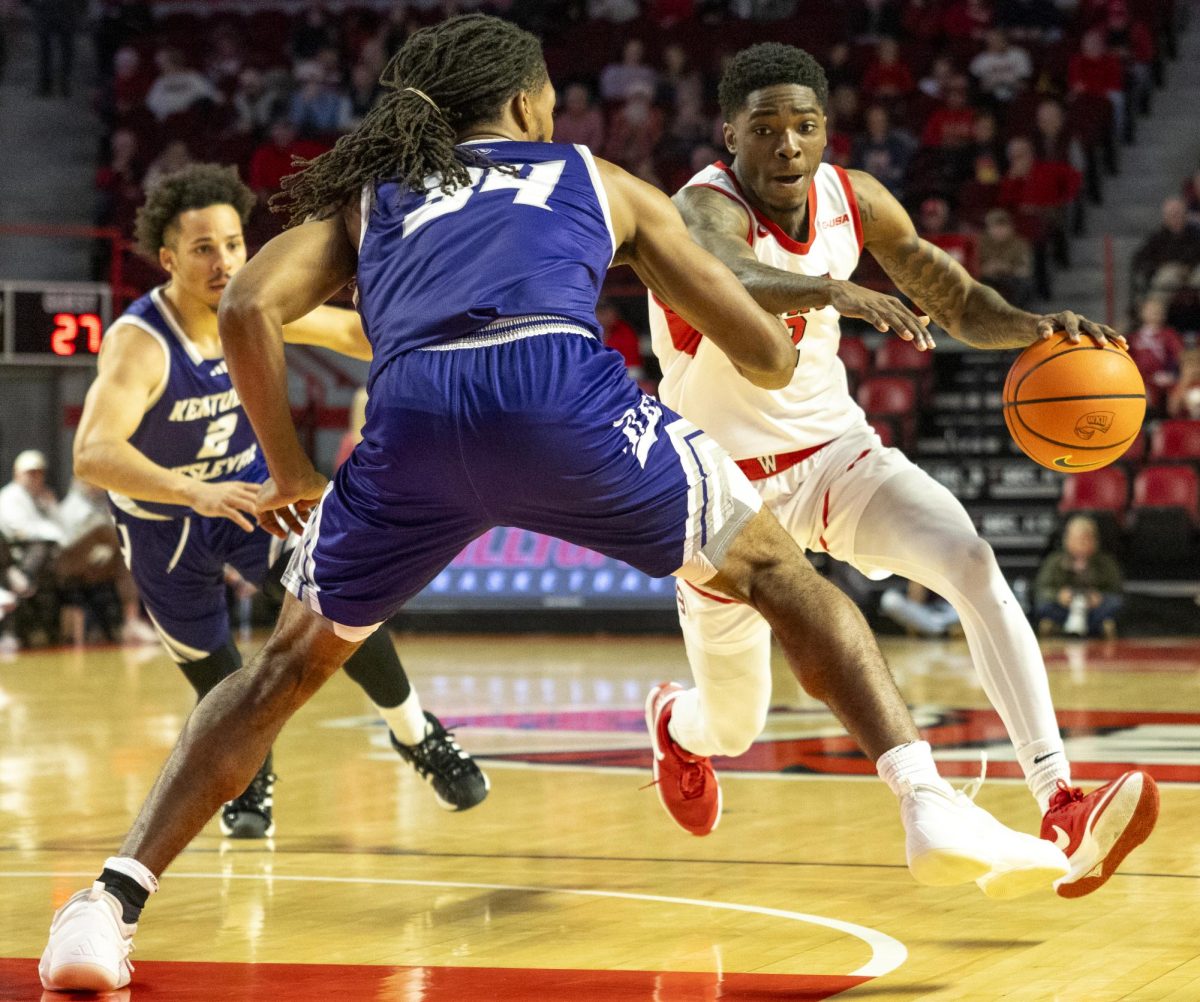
(729, 649)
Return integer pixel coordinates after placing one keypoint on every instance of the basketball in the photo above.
(1074, 407)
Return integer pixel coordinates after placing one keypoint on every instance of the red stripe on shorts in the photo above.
(708, 594)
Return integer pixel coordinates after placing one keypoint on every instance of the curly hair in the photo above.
(444, 79)
(196, 186)
(765, 65)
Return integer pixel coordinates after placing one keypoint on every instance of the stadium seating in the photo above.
(891, 400)
(1103, 495)
(1176, 440)
(1164, 517)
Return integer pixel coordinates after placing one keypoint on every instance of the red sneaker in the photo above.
(687, 785)
(1099, 830)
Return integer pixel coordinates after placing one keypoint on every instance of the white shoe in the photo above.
(951, 840)
(136, 631)
(89, 944)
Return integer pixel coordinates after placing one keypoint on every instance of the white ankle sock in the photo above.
(407, 721)
(910, 763)
(1043, 776)
(131, 868)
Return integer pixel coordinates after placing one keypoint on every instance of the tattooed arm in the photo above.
(720, 225)
(967, 310)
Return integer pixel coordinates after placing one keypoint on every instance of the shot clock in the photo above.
(53, 323)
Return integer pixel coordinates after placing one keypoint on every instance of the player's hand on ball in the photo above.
(226, 499)
(883, 312)
(284, 508)
(1075, 326)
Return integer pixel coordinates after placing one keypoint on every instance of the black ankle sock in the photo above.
(128, 891)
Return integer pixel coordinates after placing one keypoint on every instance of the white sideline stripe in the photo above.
(886, 953)
(183, 538)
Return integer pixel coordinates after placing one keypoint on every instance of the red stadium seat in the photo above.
(1100, 490)
(1163, 520)
(855, 355)
(894, 355)
(892, 400)
(1174, 487)
(1103, 495)
(1136, 451)
(1176, 440)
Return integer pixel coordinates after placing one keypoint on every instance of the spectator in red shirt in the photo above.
(1096, 71)
(933, 224)
(1155, 347)
(620, 336)
(1033, 185)
(1041, 192)
(578, 120)
(1133, 43)
(119, 182)
(953, 123)
(887, 76)
(273, 159)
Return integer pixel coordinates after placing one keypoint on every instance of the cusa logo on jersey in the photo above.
(829, 224)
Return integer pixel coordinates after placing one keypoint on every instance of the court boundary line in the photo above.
(887, 952)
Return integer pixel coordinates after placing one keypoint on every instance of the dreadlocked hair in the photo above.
(196, 186)
(765, 65)
(468, 67)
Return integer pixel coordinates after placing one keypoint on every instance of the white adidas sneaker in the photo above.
(949, 840)
(89, 944)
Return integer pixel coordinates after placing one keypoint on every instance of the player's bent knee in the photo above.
(969, 560)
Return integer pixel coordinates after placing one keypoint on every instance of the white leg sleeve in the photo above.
(729, 649)
(914, 527)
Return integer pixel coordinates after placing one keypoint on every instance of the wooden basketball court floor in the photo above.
(570, 883)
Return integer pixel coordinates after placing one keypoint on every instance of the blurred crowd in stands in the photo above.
(995, 121)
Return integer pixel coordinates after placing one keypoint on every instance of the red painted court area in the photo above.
(164, 981)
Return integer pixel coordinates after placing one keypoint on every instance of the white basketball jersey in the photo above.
(701, 383)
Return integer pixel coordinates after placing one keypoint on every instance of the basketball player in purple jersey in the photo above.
(479, 248)
(792, 229)
(163, 430)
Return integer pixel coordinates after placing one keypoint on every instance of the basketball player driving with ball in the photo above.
(792, 228)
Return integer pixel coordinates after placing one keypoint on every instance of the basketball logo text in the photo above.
(1096, 421)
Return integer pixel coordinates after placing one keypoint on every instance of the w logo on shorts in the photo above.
(639, 424)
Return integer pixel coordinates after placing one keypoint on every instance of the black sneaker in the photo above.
(249, 816)
(458, 783)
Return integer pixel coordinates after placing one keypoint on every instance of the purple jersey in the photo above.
(196, 425)
(434, 267)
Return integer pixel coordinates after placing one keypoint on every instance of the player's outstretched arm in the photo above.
(719, 225)
(967, 310)
(131, 371)
(291, 276)
(652, 238)
(329, 327)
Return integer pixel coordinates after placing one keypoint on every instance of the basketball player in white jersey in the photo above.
(792, 229)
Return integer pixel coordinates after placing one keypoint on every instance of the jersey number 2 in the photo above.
(217, 436)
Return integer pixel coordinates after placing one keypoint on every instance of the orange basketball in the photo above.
(1074, 407)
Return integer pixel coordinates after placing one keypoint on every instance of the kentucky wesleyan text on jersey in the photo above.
(196, 425)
